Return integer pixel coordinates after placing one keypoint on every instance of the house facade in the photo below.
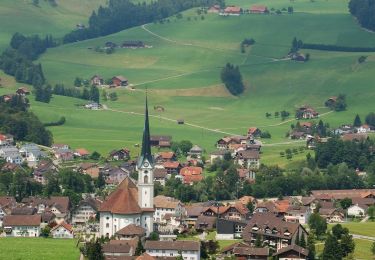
(22, 225)
(189, 250)
(62, 230)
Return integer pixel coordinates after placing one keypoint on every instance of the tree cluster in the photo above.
(364, 11)
(338, 105)
(23, 125)
(59, 122)
(339, 244)
(232, 79)
(18, 59)
(88, 93)
(354, 154)
(123, 14)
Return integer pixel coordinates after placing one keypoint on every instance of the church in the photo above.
(132, 203)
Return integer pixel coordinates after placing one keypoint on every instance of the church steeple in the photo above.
(146, 147)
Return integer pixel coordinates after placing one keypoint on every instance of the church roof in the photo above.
(123, 200)
(146, 146)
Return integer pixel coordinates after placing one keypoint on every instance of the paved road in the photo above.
(363, 237)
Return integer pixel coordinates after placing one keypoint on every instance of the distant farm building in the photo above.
(306, 112)
(97, 80)
(258, 9)
(232, 10)
(119, 81)
(133, 44)
(214, 9)
(23, 91)
(161, 141)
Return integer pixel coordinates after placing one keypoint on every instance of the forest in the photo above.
(364, 11)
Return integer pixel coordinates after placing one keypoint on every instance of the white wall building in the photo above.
(22, 225)
(189, 250)
(357, 210)
(62, 230)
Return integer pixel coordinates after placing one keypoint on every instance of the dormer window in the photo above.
(255, 228)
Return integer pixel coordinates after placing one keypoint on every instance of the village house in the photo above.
(119, 81)
(58, 205)
(167, 205)
(298, 214)
(195, 152)
(332, 215)
(23, 91)
(42, 168)
(131, 232)
(93, 106)
(62, 230)
(133, 44)
(357, 210)
(32, 153)
(363, 129)
(11, 154)
(232, 10)
(246, 175)
(192, 214)
(342, 194)
(249, 159)
(81, 153)
(96, 80)
(118, 249)
(122, 154)
(254, 132)
(172, 167)
(91, 169)
(187, 249)
(114, 175)
(6, 140)
(292, 252)
(161, 141)
(161, 175)
(86, 210)
(218, 155)
(306, 112)
(191, 174)
(60, 147)
(258, 9)
(165, 157)
(64, 155)
(205, 223)
(243, 250)
(274, 232)
(214, 9)
(6, 206)
(22, 225)
(228, 229)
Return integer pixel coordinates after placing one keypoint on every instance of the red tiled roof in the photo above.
(124, 200)
(64, 225)
(82, 151)
(258, 8)
(131, 230)
(232, 9)
(191, 170)
(174, 165)
(252, 130)
(167, 155)
(192, 178)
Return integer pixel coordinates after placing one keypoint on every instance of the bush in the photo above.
(61, 121)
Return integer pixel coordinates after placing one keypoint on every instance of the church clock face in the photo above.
(146, 164)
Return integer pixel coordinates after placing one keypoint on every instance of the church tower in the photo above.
(145, 169)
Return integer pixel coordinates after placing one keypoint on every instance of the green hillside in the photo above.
(24, 17)
(181, 70)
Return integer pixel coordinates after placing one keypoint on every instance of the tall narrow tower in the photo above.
(145, 169)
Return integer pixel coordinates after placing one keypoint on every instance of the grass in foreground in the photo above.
(38, 249)
(358, 228)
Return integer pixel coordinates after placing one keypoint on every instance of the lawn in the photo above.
(38, 249)
(358, 228)
(362, 249)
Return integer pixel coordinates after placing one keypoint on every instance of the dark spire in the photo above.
(146, 147)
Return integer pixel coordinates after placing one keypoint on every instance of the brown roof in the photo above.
(116, 248)
(188, 179)
(246, 199)
(7, 201)
(60, 202)
(132, 230)
(166, 155)
(21, 220)
(194, 211)
(208, 222)
(269, 220)
(122, 78)
(232, 246)
(354, 137)
(248, 154)
(180, 245)
(252, 130)
(145, 256)
(258, 8)
(82, 152)
(86, 166)
(251, 251)
(341, 194)
(363, 201)
(232, 9)
(295, 248)
(160, 173)
(162, 201)
(174, 165)
(123, 200)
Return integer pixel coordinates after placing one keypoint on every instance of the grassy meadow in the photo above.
(181, 70)
(31, 249)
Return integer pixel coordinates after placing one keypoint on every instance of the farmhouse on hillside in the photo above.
(306, 112)
(258, 9)
(232, 10)
(119, 81)
(97, 80)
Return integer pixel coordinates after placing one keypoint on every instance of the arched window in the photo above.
(145, 179)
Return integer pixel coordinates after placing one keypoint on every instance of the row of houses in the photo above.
(235, 10)
(117, 81)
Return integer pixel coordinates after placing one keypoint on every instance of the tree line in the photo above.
(123, 14)
(88, 93)
(364, 11)
(17, 61)
(232, 79)
(23, 125)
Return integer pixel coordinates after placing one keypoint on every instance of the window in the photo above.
(107, 225)
(145, 179)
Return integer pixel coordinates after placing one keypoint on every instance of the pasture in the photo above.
(38, 249)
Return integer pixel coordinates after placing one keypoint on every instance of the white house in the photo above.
(6, 140)
(363, 129)
(85, 211)
(63, 230)
(166, 205)
(131, 203)
(249, 159)
(22, 225)
(357, 210)
(298, 215)
(189, 250)
(14, 158)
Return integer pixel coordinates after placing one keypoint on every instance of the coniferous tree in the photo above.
(332, 249)
(357, 121)
(232, 79)
(311, 246)
(139, 250)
